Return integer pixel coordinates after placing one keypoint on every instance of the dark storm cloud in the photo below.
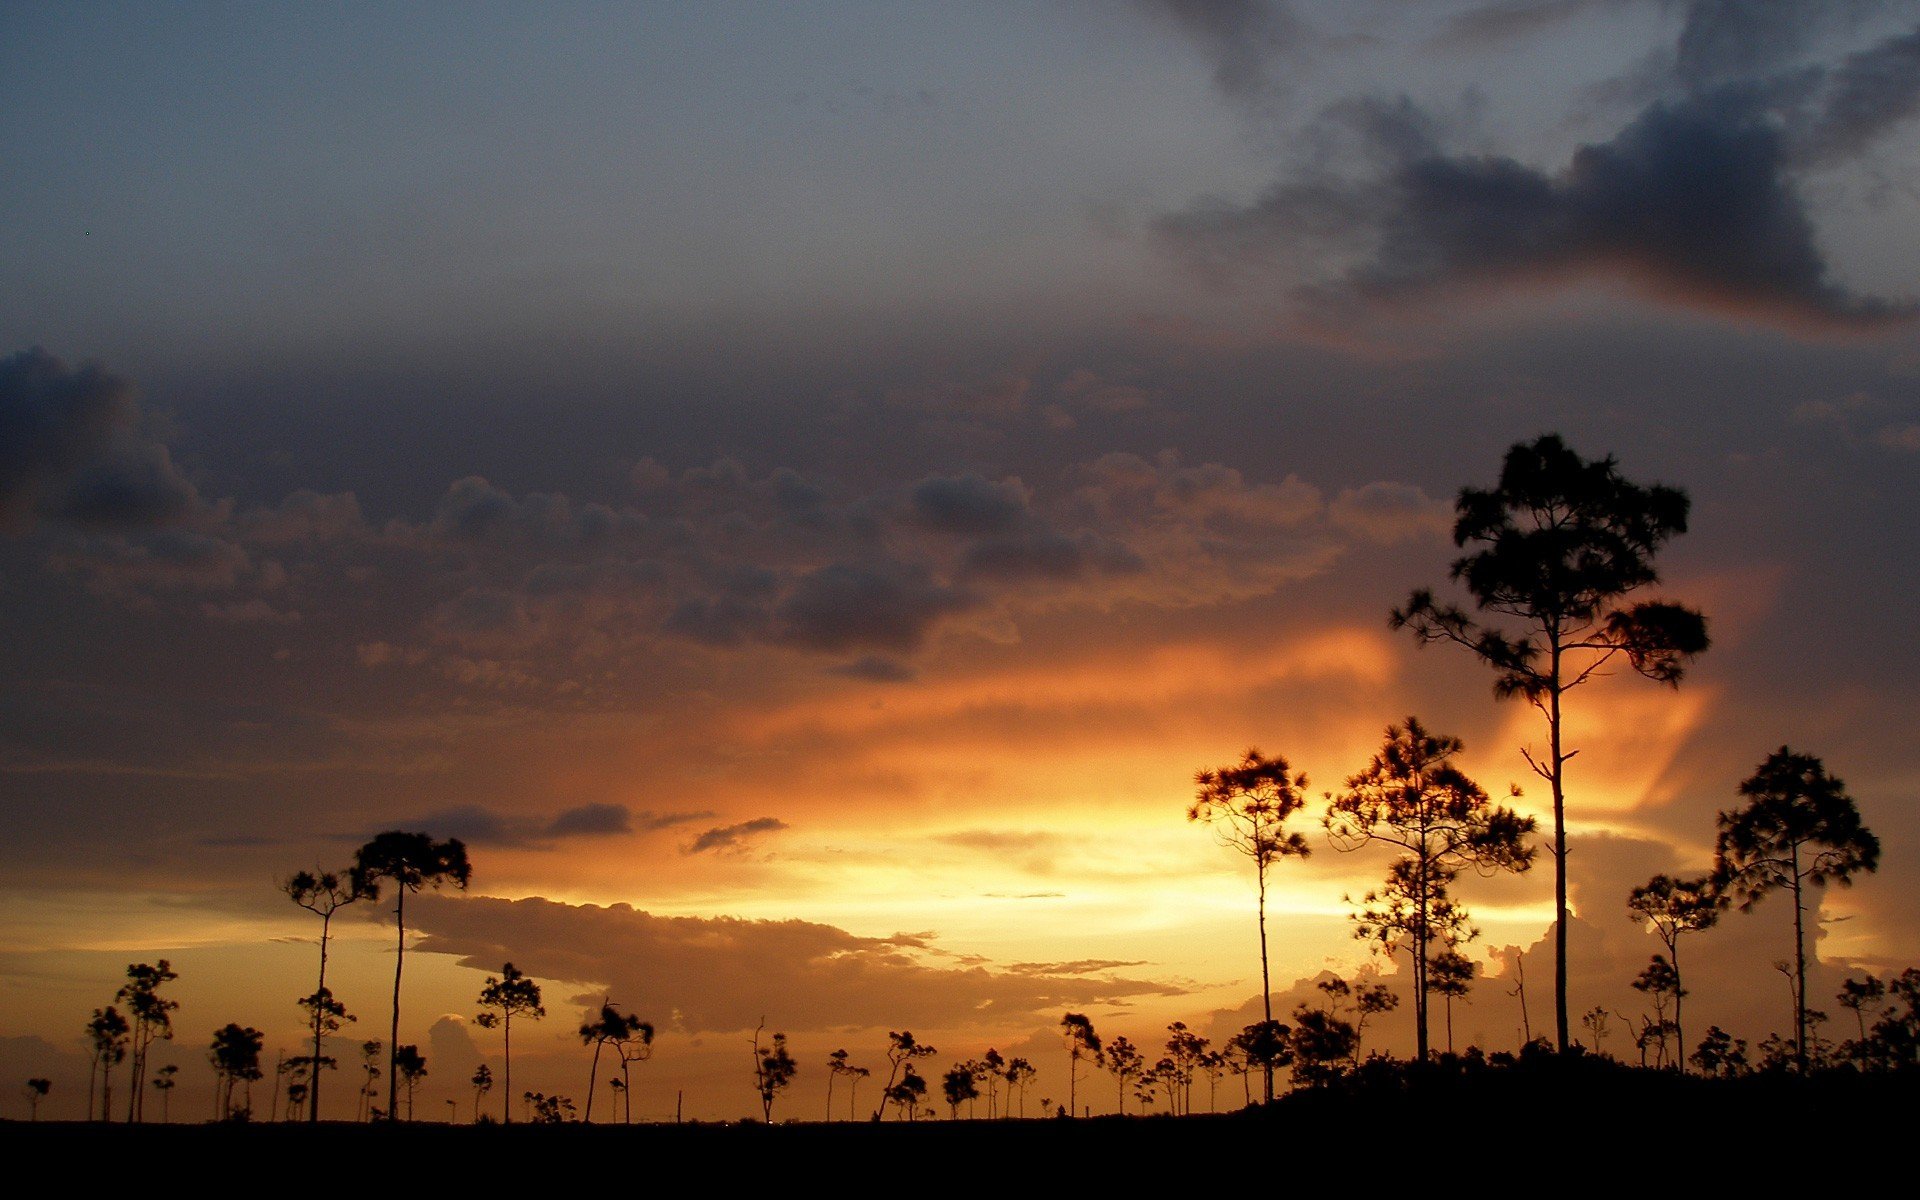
(968, 504)
(1508, 20)
(882, 605)
(69, 447)
(724, 973)
(480, 825)
(735, 837)
(1697, 200)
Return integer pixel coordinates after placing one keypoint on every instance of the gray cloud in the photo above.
(881, 605)
(735, 837)
(875, 668)
(480, 825)
(968, 504)
(69, 447)
(715, 974)
(1247, 41)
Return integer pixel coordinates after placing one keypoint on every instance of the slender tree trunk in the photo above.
(1799, 969)
(1266, 988)
(1559, 853)
(506, 1066)
(1073, 1081)
(829, 1096)
(593, 1076)
(393, 1037)
(313, 1093)
(1679, 992)
(93, 1070)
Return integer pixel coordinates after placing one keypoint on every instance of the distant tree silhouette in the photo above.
(163, 1082)
(1164, 1075)
(1248, 805)
(482, 1084)
(1595, 1019)
(412, 1066)
(1018, 1074)
(1323, 1045)
(107, 1037)
(773, 1070)
(548, 1110)
(1721, 1054)
(608, 1026)
(1670, 907)
(321, 893)
(1450, 976)
(1895, 1037)
(37, 1090)
(1859, 995)
(902, 1051)
(327, 1016)
(1561, 543)
(1411, 797)
(1660, 984)
(235, 1055)
(151, 1015)
(838, 1067)
(370, 1070)
(1799, 827)
(1213, 1064)
(636, 1045)
(1185, 1049)
(410, 861)
(1264, 1046)
(907, 1093)
(959, 1086)
(1082, 1042)
(993, 1066)
(1367, 1000)
(1124, 1060)
(504, 998)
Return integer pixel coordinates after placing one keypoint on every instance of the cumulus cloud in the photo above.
(71, 449)
(883, 605)
(1697, 200)
(717, 974)
(968, 504)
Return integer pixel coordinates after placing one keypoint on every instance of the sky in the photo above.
(800, 491)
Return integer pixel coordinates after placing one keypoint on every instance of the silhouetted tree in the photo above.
(773, 1069)
(1859, 995)
(1450, 975)
(107, 1037)
(370, 1070)
(838, 1067)
(957, 1087)
(1895, 1036)
(321, 893)
(902, 1051)
(549, 1110)
(1185, 1048)
(482, 1084)
(907, 1093)
(410, 861)
(235, 1055)
(1799, 827)
(412, 1066)
(1560, 544)
(609, 1025)
(1264, 1046)
(1670, 907)
(151, 1015)
(1660, 984)
(507, 997)
(1721, 1054)
(1123, 1059)
(1323, 1045)
(636, 1045)
(1595, 1019)
(327, 1016)
(1248, 805)
(163, 1082)
(1413, 798)
(1019, 1073)
(1213, 1064)
(37, 1089)
(1082, 1042)
(992, 1067)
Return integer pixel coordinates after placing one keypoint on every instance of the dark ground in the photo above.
(1562, 1127)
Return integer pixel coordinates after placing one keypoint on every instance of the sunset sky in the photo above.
(800, 490)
